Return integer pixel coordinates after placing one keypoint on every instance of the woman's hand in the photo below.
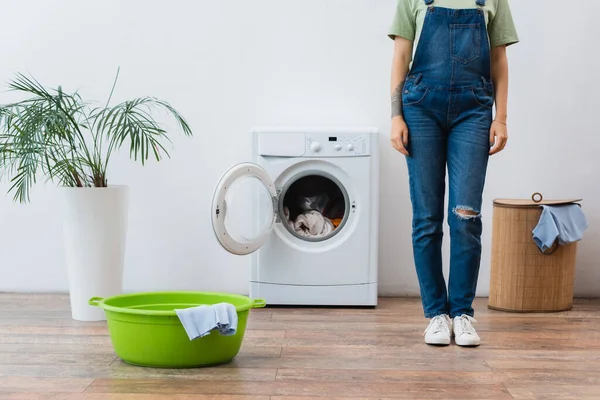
(498, 137)
(498, 134)
(399, 135)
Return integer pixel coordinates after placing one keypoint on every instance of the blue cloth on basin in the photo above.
(200, 321)
(565, 223)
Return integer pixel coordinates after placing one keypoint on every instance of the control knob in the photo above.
(350, 147)
(315, 147)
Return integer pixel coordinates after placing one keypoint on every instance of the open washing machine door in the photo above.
(244, 208)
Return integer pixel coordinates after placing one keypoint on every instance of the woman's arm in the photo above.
(498, 132)
(400, 64)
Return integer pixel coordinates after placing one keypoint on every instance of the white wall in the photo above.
(231, 64)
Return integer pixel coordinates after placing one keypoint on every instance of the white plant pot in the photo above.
(95, 233)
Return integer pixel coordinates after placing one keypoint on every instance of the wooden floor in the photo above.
(308, 354)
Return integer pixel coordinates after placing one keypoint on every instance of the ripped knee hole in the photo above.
(465, 212)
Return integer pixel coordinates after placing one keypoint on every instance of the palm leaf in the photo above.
(57, 134)
(132, 121)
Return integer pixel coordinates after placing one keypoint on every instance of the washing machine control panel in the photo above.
(337, 145)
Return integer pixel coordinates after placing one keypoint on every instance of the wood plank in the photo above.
(524, 324)
(363, 398)
(260, 314)
(542, 355)
(78, 348)
(400, 364)
(582, 301)
(415, 353)
(53, 330)
(421, 376)
(259, 352)
(322, 398)
(349, 342)
(554, 392)
(45, 322)
(55, 339)
(358, 398)
(589, 324)
(449, 352)
(584, 315)
(385, 326)
(534, 377)
(543, 365)
(501, 340)
(335, 316)
(34, 314)
(382, 328)
(258, 333)
(558, 336)
(58, 359)
(25, 305)
(120, 370)
(398, 340)
(322, 389)
(343, 354)
(414, 316)
(39, 384)
(124, 396)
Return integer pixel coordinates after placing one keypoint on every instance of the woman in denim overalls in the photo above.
(442, 118)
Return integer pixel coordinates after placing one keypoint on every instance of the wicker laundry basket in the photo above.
(522, 278)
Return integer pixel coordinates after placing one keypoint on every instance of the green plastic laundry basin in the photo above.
(145, 330)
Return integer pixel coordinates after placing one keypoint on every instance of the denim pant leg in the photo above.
(427, 173)
(468, 153)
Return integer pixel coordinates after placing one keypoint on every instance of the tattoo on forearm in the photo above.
(397, 100)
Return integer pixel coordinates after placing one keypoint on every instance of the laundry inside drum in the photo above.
(314, 207)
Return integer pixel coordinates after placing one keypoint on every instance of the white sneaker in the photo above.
(464, 333)
(439, 330)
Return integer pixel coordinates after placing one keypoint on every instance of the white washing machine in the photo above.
(257, 208)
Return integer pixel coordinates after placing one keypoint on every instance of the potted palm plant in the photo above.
(57, 135)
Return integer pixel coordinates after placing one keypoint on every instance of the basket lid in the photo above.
(536, 200)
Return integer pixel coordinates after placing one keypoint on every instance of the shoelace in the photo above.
(466, 325)
(438, 324)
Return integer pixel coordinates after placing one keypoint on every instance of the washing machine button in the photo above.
(350, 147)
(338, 147)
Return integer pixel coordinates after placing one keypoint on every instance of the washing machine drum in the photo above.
(315, 192)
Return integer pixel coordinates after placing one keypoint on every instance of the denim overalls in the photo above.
(447, 105)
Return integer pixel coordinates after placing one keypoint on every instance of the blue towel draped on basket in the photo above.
(562, 223)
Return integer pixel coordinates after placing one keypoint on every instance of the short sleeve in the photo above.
(404, 23)
(502, 28)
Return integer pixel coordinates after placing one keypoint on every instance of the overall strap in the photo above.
(430, 2)
(480, 3)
